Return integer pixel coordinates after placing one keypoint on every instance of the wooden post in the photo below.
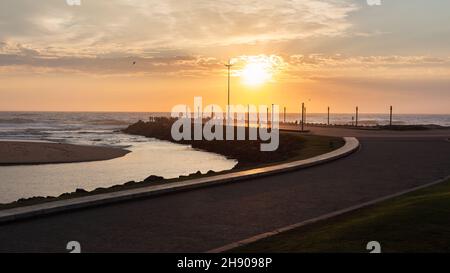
(303, 116)
(357, 112)
(390, 117)
(328, 120)
(257, 118)
(272, 116)
(248, 115)
(306, 122)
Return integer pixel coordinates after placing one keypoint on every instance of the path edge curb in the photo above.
(22, 213)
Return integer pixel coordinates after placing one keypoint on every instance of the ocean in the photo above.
(100, 128)
(374, 119)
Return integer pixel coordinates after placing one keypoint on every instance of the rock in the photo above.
(81, 191)
(129, 183)
(97, 190)
(153, 178)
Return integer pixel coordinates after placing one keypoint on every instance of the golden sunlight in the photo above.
(256, 74)
(257, 70)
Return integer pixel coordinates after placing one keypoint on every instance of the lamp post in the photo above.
(229, 65)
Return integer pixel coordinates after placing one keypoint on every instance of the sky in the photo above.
(149, 55)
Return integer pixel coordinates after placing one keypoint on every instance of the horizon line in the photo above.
(149, 112)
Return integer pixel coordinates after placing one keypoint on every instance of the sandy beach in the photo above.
(25, 153)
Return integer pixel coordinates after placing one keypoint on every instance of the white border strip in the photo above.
(320, 218)
(20, 213)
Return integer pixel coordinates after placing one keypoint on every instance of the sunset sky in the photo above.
(57, 57)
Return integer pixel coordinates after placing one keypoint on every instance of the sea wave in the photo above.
(108, 122)
(16, 121)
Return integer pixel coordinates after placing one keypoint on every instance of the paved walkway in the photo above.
(208, 218)
(343, 132)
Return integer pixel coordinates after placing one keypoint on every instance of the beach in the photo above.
(25, 153)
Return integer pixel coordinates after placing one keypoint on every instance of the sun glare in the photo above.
(258, 70)
(256, 74)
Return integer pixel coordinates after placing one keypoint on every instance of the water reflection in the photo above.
(151, 157)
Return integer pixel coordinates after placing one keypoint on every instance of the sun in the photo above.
(256, 73)
(256, 70)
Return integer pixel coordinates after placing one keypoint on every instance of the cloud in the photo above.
(17, 58)
(321, 66)
(340, 60)
(124, 26)
(21, 59)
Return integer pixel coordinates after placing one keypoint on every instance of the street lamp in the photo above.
(229, 65)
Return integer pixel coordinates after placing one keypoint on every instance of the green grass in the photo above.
(415, 222)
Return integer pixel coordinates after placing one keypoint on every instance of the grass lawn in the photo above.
(415, 222)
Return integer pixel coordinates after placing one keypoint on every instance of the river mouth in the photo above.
(147, 157)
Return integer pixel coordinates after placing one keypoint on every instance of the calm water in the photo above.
(374, 119)
(148, 156)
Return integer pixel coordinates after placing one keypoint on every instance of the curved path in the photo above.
(208, 218)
